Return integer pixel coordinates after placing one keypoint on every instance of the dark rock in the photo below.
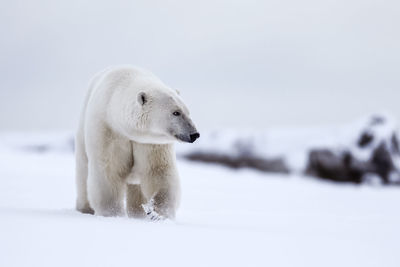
(42, 148)
(344, 167)
(266, 165)
(379, 145)
(377, 120)
(326, 164)
(395, 144)
(365, 139)
(382, 163)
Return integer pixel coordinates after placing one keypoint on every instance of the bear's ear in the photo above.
(142, 98)
(176, 90)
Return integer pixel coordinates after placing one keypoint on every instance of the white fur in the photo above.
(124, 147)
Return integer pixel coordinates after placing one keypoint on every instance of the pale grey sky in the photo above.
(253, 64)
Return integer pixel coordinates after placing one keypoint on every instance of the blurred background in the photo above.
(238, 64)
(297, 103)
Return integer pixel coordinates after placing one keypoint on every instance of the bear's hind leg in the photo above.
(81, 172)
(134, 201)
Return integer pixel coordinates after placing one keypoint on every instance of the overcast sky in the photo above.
(252, 64)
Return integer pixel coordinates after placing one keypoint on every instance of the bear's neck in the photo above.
(153, 156)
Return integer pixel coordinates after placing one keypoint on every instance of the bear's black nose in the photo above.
(193, 137)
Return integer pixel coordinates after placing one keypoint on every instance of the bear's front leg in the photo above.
(105, 192)
(155, 167)
(162, 206)
(135, 201)
(150, 213)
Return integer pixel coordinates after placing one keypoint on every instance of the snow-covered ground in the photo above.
(227, 218)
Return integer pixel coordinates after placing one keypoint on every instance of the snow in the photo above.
(227, 218)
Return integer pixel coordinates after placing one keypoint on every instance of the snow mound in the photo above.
(371, 144)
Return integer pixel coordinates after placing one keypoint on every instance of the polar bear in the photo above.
(124, 145)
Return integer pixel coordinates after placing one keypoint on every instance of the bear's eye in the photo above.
(176, 113)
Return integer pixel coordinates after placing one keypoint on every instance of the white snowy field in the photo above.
(227, 218)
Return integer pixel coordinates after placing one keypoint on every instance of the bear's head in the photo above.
(166, 117)
(147, 111)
